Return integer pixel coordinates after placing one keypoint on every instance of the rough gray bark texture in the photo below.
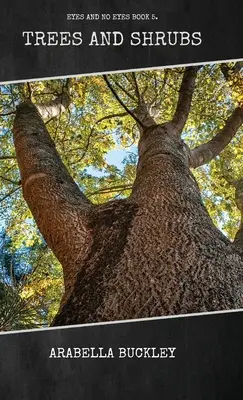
(156, 253)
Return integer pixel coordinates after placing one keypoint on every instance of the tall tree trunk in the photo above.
(155, 253)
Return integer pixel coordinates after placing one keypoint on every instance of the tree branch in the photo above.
(110, 116)
(55, 107)
(238, 241)
(111, 189)
(59, 208)
(206, 152)
(121, 102)
(9, 194)
(136, 86)
(92, 132)
(29, 90)
(8, 113)
(9, 180)
(185, 97)
(228, 71)
(7, 157)
(125, 91)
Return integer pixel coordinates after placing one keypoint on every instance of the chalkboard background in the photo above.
(208, 363)
(220, 23)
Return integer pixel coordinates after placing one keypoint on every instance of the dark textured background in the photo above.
(209, 356)
(219, 21)
(208, 363)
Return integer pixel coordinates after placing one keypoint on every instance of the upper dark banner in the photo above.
(65, 37)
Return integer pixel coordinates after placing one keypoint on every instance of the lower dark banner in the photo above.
(194, 357)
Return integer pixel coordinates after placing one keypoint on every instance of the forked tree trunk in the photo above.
(155, 253)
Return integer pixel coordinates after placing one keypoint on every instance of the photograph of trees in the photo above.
(121, 196)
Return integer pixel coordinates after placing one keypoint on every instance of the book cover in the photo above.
(121, 200)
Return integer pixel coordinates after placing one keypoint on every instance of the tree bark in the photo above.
(55, 107)
(206, 152)
(155, 253)
(238, 241)
(185, 97)
(58, 207)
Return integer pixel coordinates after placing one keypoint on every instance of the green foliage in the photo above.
(15, 312)
(31, 284)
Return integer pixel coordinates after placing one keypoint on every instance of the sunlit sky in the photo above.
(113, 157)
